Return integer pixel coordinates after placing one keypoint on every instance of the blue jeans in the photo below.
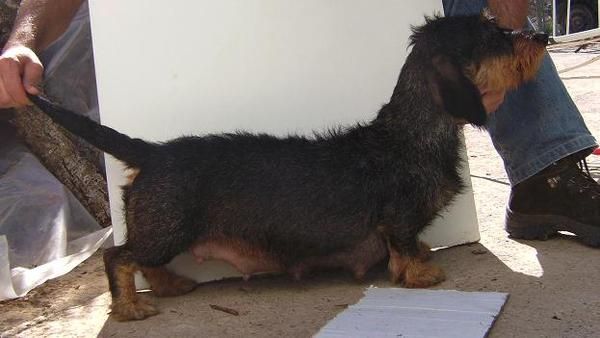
(538, 124)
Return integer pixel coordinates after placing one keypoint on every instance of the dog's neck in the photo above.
(409, 130)
(412, 112)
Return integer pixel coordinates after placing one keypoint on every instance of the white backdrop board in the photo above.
(166, 69)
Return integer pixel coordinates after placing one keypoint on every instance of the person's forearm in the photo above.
(510, 13)
(40, 22)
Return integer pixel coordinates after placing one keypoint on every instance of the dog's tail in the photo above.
(133, 152)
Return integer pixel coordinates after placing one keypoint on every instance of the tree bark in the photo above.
(64, 160)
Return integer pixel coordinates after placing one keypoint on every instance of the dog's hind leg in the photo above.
(165, 283)
(407, 264)
(120, 269)
(126, 304)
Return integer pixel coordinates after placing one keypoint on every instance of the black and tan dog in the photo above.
(347, 198)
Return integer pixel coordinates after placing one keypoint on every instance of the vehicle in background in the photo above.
(583, 16)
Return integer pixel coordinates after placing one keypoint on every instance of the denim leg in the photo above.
(463, 7)
(538, 124)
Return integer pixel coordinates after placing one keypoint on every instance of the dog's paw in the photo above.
(175, 286)
(137, 309)
(165, 283)
(422, 275)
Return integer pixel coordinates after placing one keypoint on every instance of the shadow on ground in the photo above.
(562, 301)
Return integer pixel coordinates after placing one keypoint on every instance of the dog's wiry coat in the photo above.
(347, 198)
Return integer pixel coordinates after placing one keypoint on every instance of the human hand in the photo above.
(492, 99)
(510, 13)
(20, 71)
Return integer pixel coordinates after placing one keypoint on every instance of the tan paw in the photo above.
(165, 283)
(176, 286)
(422, 275)
(132, 310)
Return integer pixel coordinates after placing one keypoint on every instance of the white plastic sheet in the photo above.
(44, 230)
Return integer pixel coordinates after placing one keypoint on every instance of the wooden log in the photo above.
(63, 158)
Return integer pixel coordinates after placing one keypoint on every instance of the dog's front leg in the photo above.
(407, 263)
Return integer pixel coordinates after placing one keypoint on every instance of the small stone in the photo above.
(479, 252)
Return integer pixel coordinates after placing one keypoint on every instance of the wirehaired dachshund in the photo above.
(346, 198)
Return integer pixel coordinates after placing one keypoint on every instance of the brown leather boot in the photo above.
(562, 197)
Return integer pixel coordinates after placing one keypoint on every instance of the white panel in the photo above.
(165, 69)
(410, 313)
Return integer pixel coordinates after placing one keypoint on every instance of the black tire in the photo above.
(583, 17)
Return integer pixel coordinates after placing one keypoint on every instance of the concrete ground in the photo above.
(554, 286)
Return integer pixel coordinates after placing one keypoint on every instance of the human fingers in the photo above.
(32, 76)
(10, 74)
(19, 68)
(6, 67)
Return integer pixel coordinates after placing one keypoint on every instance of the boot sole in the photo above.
(542, 227)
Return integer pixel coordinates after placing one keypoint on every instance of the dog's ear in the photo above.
(454, 92)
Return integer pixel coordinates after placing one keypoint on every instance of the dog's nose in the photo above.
(541, 37)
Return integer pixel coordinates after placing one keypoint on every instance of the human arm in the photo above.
(510, 13)
(37, 24)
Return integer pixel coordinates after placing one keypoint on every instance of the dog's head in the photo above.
(465, 53)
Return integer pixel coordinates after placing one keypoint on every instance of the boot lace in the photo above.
(583, 181)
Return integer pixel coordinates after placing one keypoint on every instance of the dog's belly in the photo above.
(249, 259)
(358, 259)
